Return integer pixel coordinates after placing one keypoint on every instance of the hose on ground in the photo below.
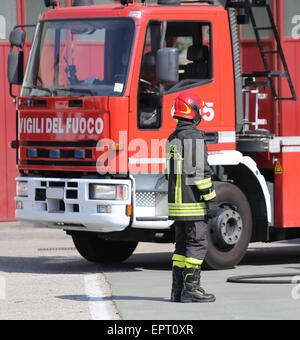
(261, 279)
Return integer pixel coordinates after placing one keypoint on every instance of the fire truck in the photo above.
(95, 111)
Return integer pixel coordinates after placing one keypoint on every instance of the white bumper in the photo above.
(72, 209)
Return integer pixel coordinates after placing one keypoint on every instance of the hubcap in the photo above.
(226, 228)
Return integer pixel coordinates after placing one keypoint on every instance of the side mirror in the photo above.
(168, 65)
(15, 62)
(15, 67)
(17, 38)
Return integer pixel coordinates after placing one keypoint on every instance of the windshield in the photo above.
(79, 58)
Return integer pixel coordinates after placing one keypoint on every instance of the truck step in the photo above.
(152, 218)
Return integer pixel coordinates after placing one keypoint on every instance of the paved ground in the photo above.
(43, 277)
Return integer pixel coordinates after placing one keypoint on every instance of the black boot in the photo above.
(177, 284)
(192, 291)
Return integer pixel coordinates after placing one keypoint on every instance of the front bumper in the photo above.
(70, 207)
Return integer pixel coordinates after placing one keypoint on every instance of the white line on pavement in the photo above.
(99, 298)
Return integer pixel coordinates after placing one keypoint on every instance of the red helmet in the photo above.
(188, 106)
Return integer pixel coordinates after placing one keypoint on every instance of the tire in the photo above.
(98, 250)
(230, 232)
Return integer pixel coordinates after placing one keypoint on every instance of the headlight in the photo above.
(108, 192)
(22, 189)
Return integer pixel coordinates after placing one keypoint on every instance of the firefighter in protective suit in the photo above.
(191, 199)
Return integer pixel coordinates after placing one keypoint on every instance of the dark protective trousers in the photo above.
(191, 242)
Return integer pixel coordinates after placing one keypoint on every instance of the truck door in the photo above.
(196, 71)
(206, 68)
(147, 134)
(194, 41)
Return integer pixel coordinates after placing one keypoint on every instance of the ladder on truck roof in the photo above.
(248, 15)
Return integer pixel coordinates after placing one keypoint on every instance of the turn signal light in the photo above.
(129, 210)
(117, 146)
(13, 144)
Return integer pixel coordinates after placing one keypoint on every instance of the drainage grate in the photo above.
(56, 249)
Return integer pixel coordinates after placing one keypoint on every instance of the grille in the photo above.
(79, 144)
(45, 153)
(57, 156)
(147, 198)
(65, 201)
(58, 163)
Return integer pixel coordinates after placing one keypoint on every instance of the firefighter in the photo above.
(191, 199)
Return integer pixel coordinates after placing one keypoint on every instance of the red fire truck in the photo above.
(95, 111)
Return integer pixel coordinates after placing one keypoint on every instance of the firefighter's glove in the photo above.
(212, 209)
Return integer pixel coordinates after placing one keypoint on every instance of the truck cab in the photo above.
(92, 102)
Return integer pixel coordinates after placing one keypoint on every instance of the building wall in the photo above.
(8, 19)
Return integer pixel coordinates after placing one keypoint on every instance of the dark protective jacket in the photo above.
(189, 174)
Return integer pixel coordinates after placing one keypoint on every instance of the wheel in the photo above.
(98, 250)
(230, 232)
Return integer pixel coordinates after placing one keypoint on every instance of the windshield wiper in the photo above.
(39, 88)
(73, 89)
(29, 102)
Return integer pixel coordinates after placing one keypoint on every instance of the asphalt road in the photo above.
(43, 277)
